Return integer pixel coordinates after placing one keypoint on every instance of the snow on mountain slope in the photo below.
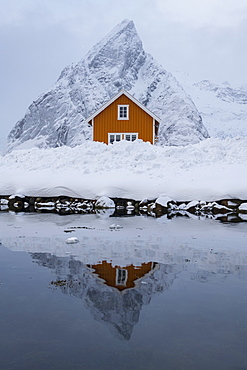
(117, 62)
(222, 107)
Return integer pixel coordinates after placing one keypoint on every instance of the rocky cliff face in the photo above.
(118, 62)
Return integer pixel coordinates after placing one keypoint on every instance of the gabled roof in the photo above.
(115, 97)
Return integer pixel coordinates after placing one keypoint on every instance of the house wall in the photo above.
(107, 121)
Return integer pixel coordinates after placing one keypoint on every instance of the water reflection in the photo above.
(173, 292)
(113, 294)
(122, 278)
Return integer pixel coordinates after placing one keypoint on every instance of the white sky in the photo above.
(38, 38)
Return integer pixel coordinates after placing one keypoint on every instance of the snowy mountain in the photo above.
(222, 107)
(118, 62)
(120, 311)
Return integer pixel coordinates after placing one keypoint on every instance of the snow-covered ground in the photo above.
(211, 170)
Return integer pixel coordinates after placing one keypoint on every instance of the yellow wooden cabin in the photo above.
(123, 118)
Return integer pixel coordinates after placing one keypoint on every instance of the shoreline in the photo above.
(229, 210)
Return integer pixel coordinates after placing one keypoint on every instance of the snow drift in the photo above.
(210, 170)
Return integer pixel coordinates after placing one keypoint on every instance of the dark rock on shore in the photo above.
(230, 210)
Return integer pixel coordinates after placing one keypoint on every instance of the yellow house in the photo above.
(123, 118)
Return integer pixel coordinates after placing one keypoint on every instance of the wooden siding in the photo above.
(107, 121)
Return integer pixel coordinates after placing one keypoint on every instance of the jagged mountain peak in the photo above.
(115, 60)
(122, 35)
(118, 61)
(119, 50)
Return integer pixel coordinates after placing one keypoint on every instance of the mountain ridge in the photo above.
(222, 107)
(117, 62)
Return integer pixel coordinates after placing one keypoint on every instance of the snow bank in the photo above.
(210, 170)
(163, 200)
(243, 207)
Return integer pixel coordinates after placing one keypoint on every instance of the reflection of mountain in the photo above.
(119, 304)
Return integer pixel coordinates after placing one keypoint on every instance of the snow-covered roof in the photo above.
(115, 97)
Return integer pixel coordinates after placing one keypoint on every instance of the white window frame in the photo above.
(122, 136)
(130, 133)
(119, 109)
(121, 276)
(114, 133)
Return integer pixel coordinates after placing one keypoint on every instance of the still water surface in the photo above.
(155, 294)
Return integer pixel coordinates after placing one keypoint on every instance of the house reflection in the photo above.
(113, 294)
(122, 278)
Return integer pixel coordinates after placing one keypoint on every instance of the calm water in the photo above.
(155, 294)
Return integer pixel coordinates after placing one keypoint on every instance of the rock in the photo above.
(115, 227)
(217, 208)
(243, 208)
(163, 201)
(16, 204)
(104, 202)
(193, 206)
(72, 240)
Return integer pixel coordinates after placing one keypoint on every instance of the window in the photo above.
(133, 137)
(123, 112)
(122, 136)
(121, 276)
(130, 137)
(114, 137)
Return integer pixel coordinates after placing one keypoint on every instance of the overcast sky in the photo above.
(38, 38)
